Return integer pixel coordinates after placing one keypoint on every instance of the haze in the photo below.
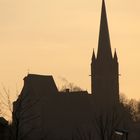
(57, 37)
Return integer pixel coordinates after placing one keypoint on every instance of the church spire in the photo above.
(105, 67)
(104, 47)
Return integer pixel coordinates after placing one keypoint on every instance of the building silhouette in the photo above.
(104, 67)
(4, 129)
(43, 112)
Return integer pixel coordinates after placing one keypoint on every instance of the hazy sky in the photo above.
(57, 37)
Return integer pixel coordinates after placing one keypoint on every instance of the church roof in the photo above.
(41, 83)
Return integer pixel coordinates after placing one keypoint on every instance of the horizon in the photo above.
(44, 37)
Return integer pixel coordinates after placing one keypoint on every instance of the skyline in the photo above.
(56, 31)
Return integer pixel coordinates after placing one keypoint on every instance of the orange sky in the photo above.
(57, 37)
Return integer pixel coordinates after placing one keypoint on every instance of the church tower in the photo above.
(104, 67)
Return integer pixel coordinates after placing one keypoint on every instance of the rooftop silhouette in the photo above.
(43, 112)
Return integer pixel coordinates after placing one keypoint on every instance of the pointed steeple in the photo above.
(104, 47)
(105, 67)
(115, 56)
(93, 56)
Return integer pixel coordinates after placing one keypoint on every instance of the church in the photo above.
(42, 112)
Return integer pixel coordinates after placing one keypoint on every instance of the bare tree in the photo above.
(107, 121)
(132, 107)
(68, 85)
(6, 104)
(71, 86)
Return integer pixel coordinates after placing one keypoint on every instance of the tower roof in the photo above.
(104, 46)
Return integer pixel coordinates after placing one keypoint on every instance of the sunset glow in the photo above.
(57, 38)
